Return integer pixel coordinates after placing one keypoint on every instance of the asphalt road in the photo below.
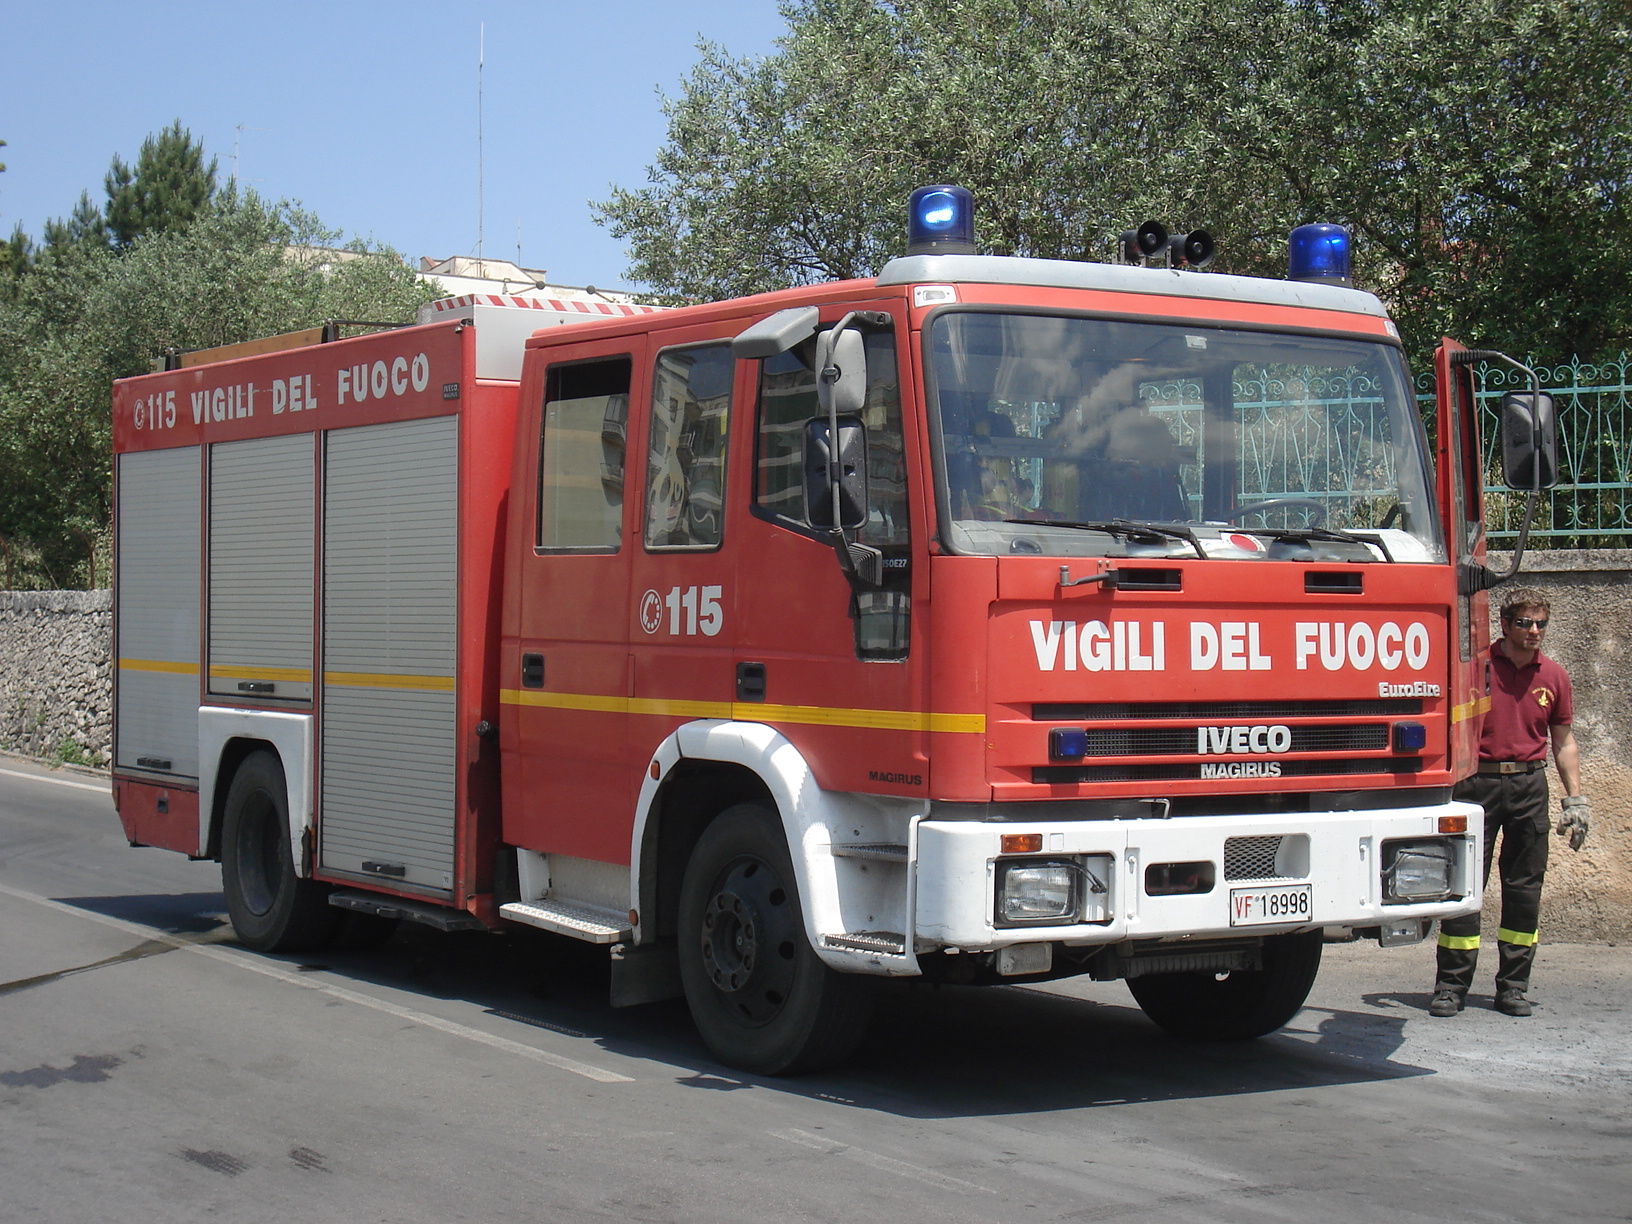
(152, 1070)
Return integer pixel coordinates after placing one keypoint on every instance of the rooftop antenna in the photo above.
(481, 60)
(237, 135)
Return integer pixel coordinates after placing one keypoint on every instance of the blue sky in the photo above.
(366, 111)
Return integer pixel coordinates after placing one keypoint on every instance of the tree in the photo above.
(1478, 148)
(168, 187)
(87, 314)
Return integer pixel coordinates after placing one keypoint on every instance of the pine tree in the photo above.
(168, 187)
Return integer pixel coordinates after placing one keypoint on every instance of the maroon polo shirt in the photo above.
(1525, 703)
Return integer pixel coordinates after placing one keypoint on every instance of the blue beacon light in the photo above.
(941, 221)
(1319, 253)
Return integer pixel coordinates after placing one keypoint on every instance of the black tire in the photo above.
(759, 996)
(271, 908)
(1239, 1005)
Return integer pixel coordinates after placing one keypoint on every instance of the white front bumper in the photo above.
(1338, 856)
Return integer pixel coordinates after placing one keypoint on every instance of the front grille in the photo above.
(1220, 711)
(1174, 741)
(1251, 858)
(1059, 775)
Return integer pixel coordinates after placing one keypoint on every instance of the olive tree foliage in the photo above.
(85, 314)
(1481, 150)
(795, 168)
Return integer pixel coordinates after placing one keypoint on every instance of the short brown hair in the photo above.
(1524, 597)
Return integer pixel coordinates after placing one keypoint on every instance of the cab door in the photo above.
(1459, 457)
(838, 669)
(569, 676)
(685, 556)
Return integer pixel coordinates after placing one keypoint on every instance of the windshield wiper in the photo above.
(1125, 529)
(1305, 534)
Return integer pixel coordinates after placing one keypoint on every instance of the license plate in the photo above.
(1274, 904)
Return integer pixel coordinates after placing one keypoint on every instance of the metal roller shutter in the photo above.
(157, 584)
(262, 512)
(390, 569)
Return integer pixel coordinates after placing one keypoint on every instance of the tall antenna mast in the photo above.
(481, 60)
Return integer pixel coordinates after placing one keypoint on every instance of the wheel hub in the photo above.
(747, 935)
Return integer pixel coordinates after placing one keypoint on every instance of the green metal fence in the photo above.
(1592, 505)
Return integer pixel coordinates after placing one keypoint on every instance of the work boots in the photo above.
(1510, 1001)
(1445, 1003)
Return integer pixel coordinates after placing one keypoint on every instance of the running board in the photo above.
(880, 852)
(438, 916)
(888, 943)
(595, 926)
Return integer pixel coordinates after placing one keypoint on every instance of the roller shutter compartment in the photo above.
(157, 583)
(390, 631)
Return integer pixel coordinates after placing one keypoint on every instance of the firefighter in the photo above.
(1530, 704)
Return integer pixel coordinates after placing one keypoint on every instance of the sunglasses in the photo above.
(1529, 622)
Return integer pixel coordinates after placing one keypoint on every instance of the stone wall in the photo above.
(1588, 897)
(56, 675)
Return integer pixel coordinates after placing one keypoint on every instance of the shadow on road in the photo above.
(932, 1052)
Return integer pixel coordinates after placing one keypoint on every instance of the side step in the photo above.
(882, 852)
(438, 916)
(579, 921)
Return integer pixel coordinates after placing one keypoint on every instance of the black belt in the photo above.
(1511, 767)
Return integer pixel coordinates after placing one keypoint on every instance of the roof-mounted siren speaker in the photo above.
(941, 221)
(1319, 254)
(1141, 244)
(1192, 250)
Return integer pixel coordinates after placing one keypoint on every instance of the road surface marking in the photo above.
(899, 1168)
(101, 790)
(275, 971)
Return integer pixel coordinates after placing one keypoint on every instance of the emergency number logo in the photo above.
(651, 612)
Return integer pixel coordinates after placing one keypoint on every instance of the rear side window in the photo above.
(580, 468)
(685, 461)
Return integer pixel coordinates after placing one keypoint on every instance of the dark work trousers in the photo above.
(1516, 808)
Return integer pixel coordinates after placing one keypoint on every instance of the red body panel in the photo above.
(163, 816)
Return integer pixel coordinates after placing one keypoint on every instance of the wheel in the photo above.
(1317, 511)
(1237, 1005)
(759, 996)
(271, 908)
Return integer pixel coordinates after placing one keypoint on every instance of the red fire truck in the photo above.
(993, 620)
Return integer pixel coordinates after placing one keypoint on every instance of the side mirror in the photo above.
(841, 371)
(849, 459)
(1529, 441)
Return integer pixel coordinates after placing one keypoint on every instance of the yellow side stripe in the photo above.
(159, 665)
(389, 680)
(1459, 943)
(749, 711)
(1471, 709)
(232, 671)
(1524, 939)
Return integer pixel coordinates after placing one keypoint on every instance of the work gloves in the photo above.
(1575, 820)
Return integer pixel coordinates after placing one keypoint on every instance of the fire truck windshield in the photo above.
(1070, 436)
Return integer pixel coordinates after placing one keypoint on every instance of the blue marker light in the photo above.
(1319, 253)
(941, 221)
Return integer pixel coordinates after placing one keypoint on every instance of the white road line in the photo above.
(305, 981)
(17, 773)
(887, 1164)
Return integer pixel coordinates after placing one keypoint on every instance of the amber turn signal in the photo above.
(1022, 843)
(1453, 824)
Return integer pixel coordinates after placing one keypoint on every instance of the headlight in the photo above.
(1038, 890)
(1416, 871)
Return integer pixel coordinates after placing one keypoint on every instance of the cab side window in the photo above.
(787, 399)
(580, 469)
(685, 460)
